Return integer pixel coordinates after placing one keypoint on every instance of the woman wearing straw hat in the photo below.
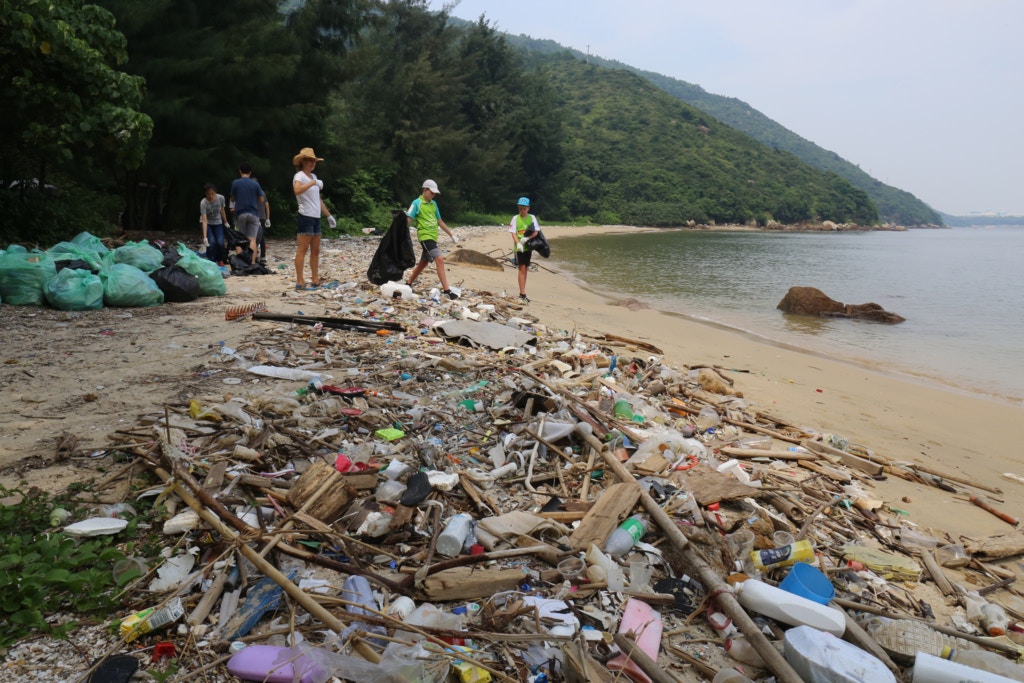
(307, 188)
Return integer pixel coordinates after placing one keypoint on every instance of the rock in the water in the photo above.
(812, 301)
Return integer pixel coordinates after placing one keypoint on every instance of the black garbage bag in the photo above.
(394, 253)
(170, 254)
(241, 265)
(539, 244)
(177, 284)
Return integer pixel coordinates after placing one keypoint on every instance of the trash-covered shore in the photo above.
(371, 487)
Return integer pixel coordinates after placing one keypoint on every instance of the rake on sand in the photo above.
(257, 312)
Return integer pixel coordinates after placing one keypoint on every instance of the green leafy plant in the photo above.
(44, 571)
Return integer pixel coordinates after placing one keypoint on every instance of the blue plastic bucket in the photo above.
(807, 581)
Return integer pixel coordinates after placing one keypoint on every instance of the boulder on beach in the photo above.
(812, 301)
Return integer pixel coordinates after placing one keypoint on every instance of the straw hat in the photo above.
(305, 153)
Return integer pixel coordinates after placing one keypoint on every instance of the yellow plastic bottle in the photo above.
(786, 556)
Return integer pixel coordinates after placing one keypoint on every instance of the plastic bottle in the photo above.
(994, 619)
(730, 675)
(450, 541)
(742, 651)
(986, 660)
(931, 669)
(625, 536)
(790, 608)
(786, 556)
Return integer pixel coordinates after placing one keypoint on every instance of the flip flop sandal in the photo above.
(116, 669)
(417, 489)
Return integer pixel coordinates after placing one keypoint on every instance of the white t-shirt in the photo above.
(309, 201)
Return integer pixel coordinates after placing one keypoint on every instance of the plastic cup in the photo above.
(128, 569)
(807, 581)
(782, 538)
(571, 567)
(952, 556)
(740, 542)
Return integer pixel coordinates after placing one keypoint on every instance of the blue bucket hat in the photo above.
(524, 201)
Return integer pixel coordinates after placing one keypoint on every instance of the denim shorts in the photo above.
(430, 250)
(308, 225)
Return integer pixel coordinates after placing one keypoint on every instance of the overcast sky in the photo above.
(925, 95)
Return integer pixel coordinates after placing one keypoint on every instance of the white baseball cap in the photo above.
(431, 185)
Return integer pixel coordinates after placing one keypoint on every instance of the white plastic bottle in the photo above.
(986, 660)
(931, 669)
(625, 536)
(790, 608)
(742, 651)
(730, 675)
(450, 541)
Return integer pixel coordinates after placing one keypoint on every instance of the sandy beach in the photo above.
(898, 417)
(72, 379)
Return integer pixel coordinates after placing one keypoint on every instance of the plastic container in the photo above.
(790, 608)
(818, 656)
(397, 290)
(730, 675)
(931, 669)
(390, 491)
(902, 639)
(808, 581)
(571, 568)
(707, 419)
(986, 660)
(953, 556)
(758, 442)
(786, 556)
(743, 652)
(274, 665)
(625, 536)
(451, 540)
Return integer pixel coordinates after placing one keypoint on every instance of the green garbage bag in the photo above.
(142, 255)
(74, 289)
(22, 276)
(90, 242)
(129, 287)
(69, 251)
(211, 281)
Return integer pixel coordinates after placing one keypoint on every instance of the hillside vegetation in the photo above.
(132, 107)
(894, 205)
(634, 155)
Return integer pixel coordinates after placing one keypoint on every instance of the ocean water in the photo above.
(961, 291)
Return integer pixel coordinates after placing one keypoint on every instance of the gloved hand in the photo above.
(331, 221)
(319, 184)
(266, 223)
(455, 239)
(206, 242)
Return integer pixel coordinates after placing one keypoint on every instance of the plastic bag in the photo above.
(177, 284)
(69, 251)
(127, 286)
(539, 244)
(90, 242)
(74, 290)
(142, 255)
(211, 282)
(23, 274)
(394, 253)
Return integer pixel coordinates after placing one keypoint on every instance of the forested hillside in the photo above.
(119, 112)
(635, 155)
(894, 205)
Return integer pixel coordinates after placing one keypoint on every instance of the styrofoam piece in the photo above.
(96, 526)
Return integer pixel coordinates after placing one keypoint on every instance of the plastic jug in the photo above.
(790, 608)
(818, 656)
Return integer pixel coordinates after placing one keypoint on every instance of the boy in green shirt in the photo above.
(425, 215)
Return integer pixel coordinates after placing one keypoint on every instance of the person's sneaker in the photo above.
(451, 295)
(525, 299)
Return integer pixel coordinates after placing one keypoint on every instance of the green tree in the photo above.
(221, 89)
(68, 109)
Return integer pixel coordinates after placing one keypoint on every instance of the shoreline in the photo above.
(901, 416)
